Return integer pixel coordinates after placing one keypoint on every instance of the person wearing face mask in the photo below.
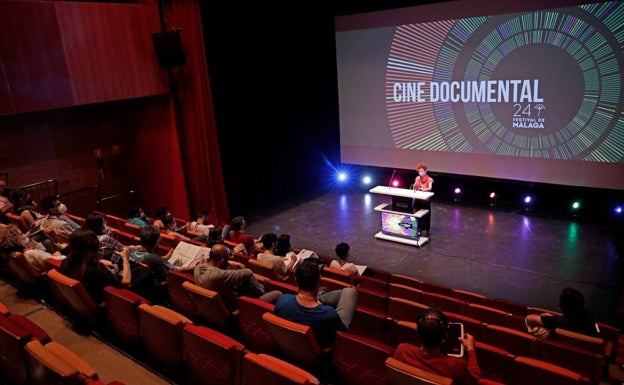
(54, 220)
(423, 182)
(59, 210)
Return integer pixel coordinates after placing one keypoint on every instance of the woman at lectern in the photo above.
(423, 182)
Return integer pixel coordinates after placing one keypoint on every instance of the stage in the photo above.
(513, 255)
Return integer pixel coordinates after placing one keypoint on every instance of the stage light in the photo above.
(342, 176)
(395, 183)
(367, 180)
(528, 199)
(457, 194)
(618, 210)
(493, 199)
(576, 205)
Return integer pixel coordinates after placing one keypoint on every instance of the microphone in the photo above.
(392, 177)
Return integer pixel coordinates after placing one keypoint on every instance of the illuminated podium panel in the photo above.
(399, 220)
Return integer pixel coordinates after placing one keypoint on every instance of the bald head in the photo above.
(218, 253)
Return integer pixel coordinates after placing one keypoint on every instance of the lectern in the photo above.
(399, 220)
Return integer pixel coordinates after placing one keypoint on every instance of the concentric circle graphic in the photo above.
(569, 62)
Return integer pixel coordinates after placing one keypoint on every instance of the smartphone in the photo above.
(452, 345)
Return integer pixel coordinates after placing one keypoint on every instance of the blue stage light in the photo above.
(342, 176)
(367, 180)
(618, 210)
(528, 199)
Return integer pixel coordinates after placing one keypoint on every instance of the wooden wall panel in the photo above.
(32, 56)
(109, 50)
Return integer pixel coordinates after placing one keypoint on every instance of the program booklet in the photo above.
(187, 254)
(302, 255)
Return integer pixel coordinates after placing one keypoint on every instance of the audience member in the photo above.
(138, 217)
(342, 252)
(325, 312)
(84, 264)
(282, 270)
(283, 247)
(238, 235)
(108, 244)
(160, 213)
(24, 206)
(12, 240)
(5, 204)
(170, 228)
(432, 330)
(200, 224)
(62, 229)
(146, 253)
(575, 317)
(230, 278)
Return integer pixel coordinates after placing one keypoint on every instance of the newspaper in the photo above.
(186, 254)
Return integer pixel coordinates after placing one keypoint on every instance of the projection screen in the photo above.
(486, 88)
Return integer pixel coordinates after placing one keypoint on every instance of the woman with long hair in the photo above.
(84, 264)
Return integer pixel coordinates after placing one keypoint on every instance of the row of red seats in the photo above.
(29, 356)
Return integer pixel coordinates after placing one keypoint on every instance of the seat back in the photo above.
(12, 360)
(593, 344)
(588, 364)
(252, 328)
(406, 292)
(371, 299)
(486, 314)
(400, 373)
(132, 229)
(406, 280)
(161, 331)
(399, 332)
(373, 283)
(124, 237)
(404, 310)
(211, 357)
(495, 363)
(266, 369)
(262, 268)
(46, 368)
(73, 359)
(369, 323)
(177, 295)
(284, 287)
(515, 342)
(468, 296)
(332, 284)
(442, 301)
(73, 297)
(122, 315)
(295, 342)
(209, 308)
(532, 371)
(508, 306)
(339, 275)
(438, 288)
(360, 360)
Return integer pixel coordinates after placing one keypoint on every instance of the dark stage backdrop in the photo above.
(491, 89)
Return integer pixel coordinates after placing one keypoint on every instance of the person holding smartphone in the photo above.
(432, 329)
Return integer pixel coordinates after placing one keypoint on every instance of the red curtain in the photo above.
(195, 116)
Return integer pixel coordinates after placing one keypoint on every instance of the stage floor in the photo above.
(512, 255)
